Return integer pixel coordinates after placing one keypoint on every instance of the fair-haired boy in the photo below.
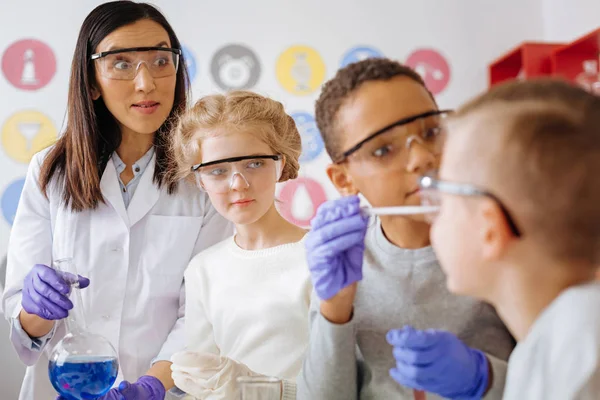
(519, 226)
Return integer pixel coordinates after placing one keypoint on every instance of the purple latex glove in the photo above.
(146, 388)
(45, 293)
(335, 246)
(438, 362)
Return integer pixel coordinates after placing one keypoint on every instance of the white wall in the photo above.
(468, 33)
(566, 20)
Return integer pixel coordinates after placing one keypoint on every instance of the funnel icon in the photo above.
(29, 130)
(25, 133)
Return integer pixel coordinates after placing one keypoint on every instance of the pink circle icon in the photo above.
(432, 66)
(29, 64)
(300, 200)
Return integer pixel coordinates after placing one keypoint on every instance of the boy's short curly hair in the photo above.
(346, 81)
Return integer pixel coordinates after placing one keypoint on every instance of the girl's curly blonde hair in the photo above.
(237, 109)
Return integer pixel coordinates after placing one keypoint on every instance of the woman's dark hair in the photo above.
(92, 133)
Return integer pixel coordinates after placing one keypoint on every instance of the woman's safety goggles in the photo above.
(124, 64)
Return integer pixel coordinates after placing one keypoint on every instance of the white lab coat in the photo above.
(135, 259)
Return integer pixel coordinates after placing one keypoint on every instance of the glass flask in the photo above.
(259, 388)
(82, 365)
(589, 79)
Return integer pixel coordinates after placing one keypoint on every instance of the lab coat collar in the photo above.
(146, 195)
(109, 185)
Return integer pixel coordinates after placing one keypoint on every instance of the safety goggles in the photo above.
(124, 64)
(237, 173)
(431, 188)
(388, 149)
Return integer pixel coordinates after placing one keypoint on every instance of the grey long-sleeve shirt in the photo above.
(399, 287)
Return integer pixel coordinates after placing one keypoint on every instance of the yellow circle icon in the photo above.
(300, 70)
(27, 132)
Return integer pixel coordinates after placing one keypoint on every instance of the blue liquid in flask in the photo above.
(83, 378)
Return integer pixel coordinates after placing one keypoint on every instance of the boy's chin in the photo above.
(455, 286)
(413, 218)
(419, 218)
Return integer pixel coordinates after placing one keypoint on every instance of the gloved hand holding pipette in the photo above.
(45, 293)
(438, 362)
(335, 246)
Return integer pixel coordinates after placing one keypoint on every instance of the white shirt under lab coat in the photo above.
(135, 259)
(560, 357)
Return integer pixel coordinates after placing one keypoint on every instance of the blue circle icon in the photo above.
(10, 199)
(359, 53)
(190, 62)
(312, 144)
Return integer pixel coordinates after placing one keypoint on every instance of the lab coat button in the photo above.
(106, 317)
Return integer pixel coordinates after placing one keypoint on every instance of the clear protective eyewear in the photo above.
(237, 173)
(124, 64)
(430, 196)
(388, 149)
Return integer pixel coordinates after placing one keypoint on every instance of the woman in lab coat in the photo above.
(100, 195)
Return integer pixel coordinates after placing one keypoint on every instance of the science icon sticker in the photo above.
(10, 200)
(312, 144)
(300, 70)
(25, 133)
(300, 199)
(190, 62)
(359, 53)
(432, 67)
(235, 67)
(29, 64)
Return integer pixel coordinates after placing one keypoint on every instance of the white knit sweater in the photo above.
(251, 306)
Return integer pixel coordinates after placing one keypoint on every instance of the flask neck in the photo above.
(75, 321)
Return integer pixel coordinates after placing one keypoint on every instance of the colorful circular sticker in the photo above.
(10, 200)
(190, 62)
(360, 53)
(432, 66)
(29, 64)
(300, 200)
(235, 67)
(312, 144)
(25, 133)
(300, 70)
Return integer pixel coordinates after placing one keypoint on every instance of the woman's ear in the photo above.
(95, 93)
